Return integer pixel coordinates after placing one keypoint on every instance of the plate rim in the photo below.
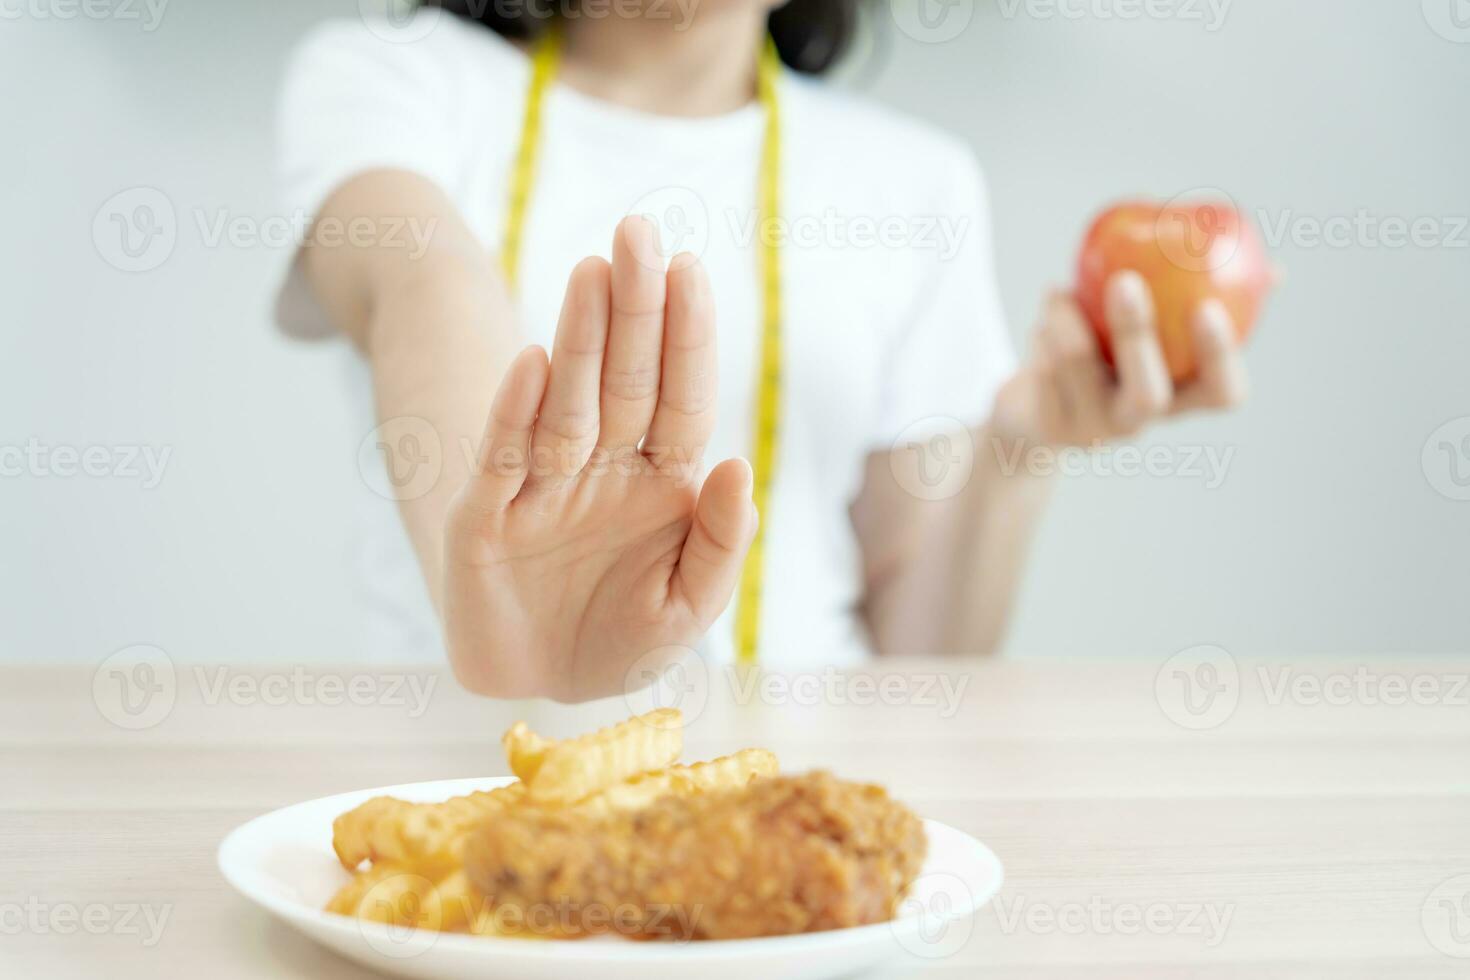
(298, 915)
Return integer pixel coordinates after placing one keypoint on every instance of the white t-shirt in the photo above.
(890, 318)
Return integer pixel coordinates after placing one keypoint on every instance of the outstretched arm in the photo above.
(942, 575)
(580, 538)
(437, 328)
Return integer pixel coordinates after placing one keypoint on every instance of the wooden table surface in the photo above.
(1196, 818)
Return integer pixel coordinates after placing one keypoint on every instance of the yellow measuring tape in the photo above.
(544, 60)
(545, 57)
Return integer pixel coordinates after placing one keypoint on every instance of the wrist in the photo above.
(1017, 419)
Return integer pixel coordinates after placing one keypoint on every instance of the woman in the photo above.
(846, 252)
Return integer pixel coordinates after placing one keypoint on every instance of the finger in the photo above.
(1023, 404)
(1144, 387)
(630, 369)
(1050, 402)
(1081, 377)
(714, 552)
(1222, 379)
(501, 467)
(566, 429)
(685, 416)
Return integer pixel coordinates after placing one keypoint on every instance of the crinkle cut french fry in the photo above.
(525, 750)
(349, 897)
(388, 829)
(416, 875)
(574, 769)
(453, 902)
(728, 772)
(401, 895)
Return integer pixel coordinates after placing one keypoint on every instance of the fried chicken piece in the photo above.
(783, 855)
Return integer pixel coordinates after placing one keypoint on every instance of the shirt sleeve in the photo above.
(952, 351)
(357, 97)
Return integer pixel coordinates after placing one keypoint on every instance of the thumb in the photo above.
(714, 552)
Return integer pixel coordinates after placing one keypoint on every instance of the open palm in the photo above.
(584, 539)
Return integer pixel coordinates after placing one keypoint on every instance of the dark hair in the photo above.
(811, 35)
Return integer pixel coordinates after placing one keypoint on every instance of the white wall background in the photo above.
(1328, 533)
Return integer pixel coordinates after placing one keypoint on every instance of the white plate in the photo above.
(283, 862)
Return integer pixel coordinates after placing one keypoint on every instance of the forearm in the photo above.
(977, 552)
(439, 343)
(438, 330)
(943, 575)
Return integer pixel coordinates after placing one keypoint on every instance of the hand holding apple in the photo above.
(1187, 254)
(1143, 337)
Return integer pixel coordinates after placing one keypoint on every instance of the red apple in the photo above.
(1187, 253)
